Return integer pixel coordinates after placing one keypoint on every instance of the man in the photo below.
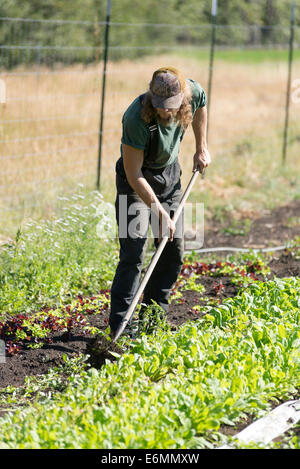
(148, 181)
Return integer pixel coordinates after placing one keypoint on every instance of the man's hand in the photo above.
(167, 226)
(201, 160)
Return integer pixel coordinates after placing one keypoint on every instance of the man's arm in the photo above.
(133, 162)
(201, 157)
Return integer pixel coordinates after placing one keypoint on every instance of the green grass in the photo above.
(249, 176)
(175, 390)
(51, 261)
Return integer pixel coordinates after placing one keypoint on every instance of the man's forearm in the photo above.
(199, 125)
(201, 157)
(133, 161)
(141, 186)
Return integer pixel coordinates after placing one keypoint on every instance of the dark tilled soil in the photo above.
(273, 228)
(38, 361)
(283, 264)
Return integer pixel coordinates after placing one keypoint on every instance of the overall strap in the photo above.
(152, 148)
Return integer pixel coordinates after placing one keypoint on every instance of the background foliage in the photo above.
(242, 22)
(267, 12)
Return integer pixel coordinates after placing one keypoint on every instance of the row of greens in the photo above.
(35, 330)
(177, 389)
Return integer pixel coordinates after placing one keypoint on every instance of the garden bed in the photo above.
(217, 287)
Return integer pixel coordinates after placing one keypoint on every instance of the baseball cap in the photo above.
(166, 90)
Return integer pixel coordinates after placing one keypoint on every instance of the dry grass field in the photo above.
(49, 130)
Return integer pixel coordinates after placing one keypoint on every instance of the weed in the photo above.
(238, 228)
(151, 319)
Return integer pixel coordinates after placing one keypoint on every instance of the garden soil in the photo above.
(275, 228)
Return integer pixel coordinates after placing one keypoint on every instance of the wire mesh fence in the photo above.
(52, 74)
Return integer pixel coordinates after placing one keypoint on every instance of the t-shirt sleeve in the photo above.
(135, 132)
(199, 98)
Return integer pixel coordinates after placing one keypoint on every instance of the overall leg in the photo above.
(168, 267)
(134, 216)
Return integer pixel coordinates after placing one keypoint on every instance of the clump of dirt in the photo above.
(99, 349)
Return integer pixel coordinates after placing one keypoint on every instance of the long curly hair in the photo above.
(184, 114)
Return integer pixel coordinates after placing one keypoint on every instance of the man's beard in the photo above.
(171, 116)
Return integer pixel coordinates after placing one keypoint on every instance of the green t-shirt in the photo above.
(136, 132)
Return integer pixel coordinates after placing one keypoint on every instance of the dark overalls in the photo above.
(166, 185)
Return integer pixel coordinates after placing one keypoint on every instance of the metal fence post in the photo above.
(38, 60)
(108, 10)
(288, 91)
(214, 7)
